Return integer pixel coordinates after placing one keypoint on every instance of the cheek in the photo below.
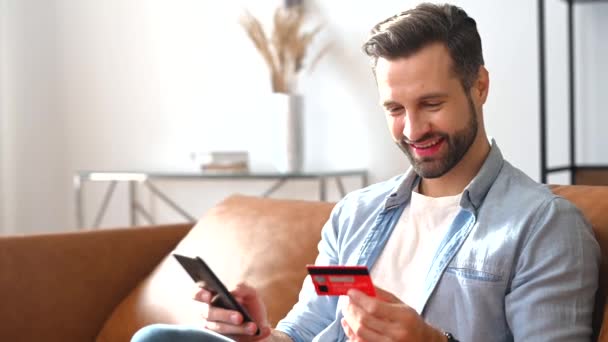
(457, 122)
(459, 116)
(395, 125)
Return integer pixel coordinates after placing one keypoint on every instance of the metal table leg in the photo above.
(133, 203)
(322, 189)
(104, 204)
(143, 212)
(169, 202)
(274, 187)
(340, 186)
(77, 180)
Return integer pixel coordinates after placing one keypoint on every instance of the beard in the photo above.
(457, 144)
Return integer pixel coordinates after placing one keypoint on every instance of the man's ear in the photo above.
(481, 86)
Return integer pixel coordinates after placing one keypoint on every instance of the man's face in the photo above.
(431, 117)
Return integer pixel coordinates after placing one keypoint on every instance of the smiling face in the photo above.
(431, 117)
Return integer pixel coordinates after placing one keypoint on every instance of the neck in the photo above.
(455, 180)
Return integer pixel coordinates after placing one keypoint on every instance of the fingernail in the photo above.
(234, 318)
(251, 328)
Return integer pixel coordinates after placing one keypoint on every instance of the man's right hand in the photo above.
(229, 322)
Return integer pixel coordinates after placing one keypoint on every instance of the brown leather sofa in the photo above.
(103, 285)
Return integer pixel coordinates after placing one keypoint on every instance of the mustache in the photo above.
(427, 136)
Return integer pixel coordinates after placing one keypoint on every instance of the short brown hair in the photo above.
(408, 32)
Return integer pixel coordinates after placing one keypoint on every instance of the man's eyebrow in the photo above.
(425, 97)
(389, 103)
(431, 96)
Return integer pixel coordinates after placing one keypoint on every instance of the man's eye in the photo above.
(394, 110)
(432, 104)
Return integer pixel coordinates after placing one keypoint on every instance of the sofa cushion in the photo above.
(264, 242)
(593, 203)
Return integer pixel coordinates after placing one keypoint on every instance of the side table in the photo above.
(147, 179)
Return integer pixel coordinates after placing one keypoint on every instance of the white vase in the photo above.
(286, 141)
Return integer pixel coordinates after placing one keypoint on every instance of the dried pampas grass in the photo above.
(285, 49)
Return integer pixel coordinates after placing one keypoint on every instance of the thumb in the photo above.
(387, 296)
(244, 291)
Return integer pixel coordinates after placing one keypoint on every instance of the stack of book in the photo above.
(223, 161)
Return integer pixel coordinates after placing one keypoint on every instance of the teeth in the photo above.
(428, 145)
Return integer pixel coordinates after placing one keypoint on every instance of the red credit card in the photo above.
(337, 280)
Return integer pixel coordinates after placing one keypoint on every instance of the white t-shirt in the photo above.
(405, 260)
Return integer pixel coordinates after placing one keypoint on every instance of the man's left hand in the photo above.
(384, 318)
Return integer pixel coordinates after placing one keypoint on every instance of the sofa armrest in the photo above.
(62, 287)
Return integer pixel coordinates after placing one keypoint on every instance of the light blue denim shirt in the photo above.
(517, 264)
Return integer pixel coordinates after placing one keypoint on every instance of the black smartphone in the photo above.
(204, 276)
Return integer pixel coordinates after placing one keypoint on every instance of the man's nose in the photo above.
(415, 127)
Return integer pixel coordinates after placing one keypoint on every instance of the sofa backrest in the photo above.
(266, 243)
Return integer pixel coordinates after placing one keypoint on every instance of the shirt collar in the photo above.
(472, 196)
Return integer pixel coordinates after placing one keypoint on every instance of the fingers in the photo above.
(362, 335)
(203, 296)
(244, 290)
(229, 322)
(248, 328)
(387, 296)
(385, 306)
(363, 323)
(249, 298)
(347, 330)
(385, 318)
(216, 314)
(371, 305)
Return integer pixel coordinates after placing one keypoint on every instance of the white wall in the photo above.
(590, 23)
(127, 84)
(2, 112)
(7, 115)
(592, 73)
(35, 127)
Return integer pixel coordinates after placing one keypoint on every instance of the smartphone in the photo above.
(337, 280)
(202, 274)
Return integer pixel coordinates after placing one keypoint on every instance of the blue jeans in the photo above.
(178, 333)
